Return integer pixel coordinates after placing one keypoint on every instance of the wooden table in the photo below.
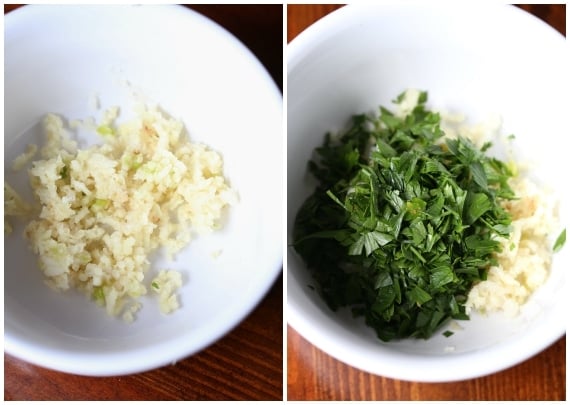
(313, 375)
(247, 364)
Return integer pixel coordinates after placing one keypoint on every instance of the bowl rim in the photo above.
(320, 28)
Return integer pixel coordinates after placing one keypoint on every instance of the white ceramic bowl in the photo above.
(57, 58)
(475, 59)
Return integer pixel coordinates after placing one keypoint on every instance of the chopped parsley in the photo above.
(403, 222)
(560, 241)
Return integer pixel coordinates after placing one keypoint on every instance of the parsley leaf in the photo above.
(560, 241)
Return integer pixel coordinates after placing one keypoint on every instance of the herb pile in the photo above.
(403, 222)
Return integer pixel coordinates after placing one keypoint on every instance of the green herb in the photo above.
(447, 333)
(155, 285)
(400, 231)
(560, 241)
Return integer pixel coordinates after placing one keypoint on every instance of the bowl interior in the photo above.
(359, 58)
(57, 59)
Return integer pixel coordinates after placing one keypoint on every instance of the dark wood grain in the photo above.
(300, 16)
(247, 364)
(314, 375)
(555, 15)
